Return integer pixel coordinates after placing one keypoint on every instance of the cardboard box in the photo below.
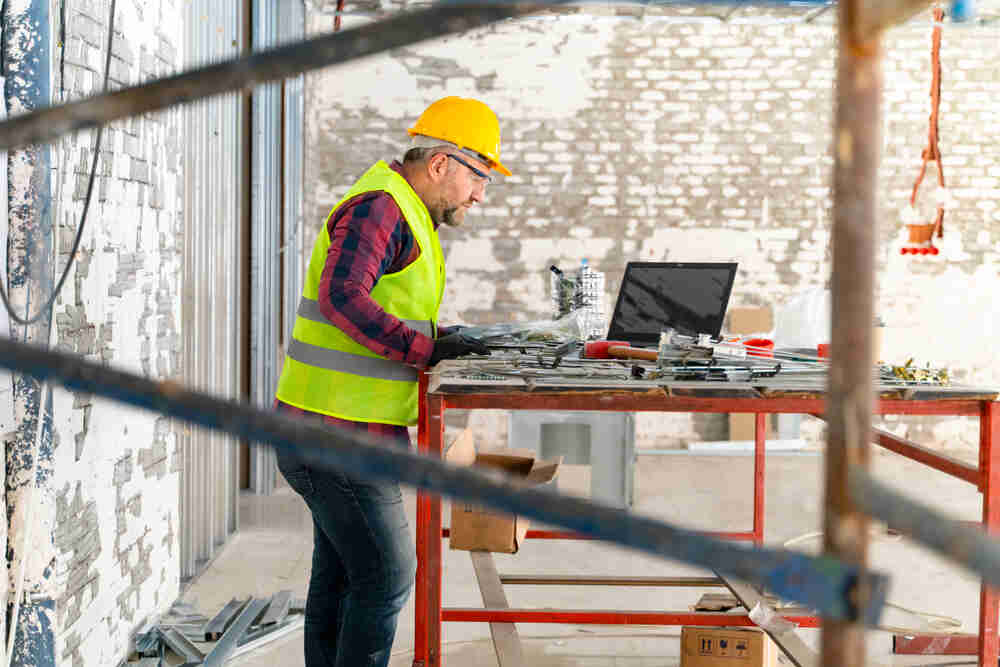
(728, 647)
(742, 427)
(750, 320)
(475, 528)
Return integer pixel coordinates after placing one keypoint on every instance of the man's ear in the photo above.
(437, 167)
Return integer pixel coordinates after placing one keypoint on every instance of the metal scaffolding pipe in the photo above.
(965, 544)
(820, 582)
(851, 399)
(405, 28)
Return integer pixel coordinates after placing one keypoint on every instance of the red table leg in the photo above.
(760, 431)
(420, 588)
(989, 598)
(427, 596)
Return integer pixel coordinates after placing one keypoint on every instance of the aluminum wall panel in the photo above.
(265, 264)
(212, 292)
(276, 205)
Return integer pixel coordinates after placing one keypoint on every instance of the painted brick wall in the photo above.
(113, 512)
(653, 139)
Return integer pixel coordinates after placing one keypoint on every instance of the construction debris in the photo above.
(185, 637)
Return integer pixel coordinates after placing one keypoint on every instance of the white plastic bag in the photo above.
(804, 321)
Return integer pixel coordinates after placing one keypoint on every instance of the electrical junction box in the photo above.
(728, 647)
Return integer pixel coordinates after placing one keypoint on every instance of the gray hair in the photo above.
(423, 148)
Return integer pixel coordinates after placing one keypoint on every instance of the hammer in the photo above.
(616, 349)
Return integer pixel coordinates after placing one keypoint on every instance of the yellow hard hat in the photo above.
(467, 123)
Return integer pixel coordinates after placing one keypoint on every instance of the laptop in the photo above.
(690, 297)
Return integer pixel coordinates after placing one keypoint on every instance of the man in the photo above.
(366, 323)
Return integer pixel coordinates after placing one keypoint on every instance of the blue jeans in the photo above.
(363, 565)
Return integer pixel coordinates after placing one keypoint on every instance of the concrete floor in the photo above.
(272, 552)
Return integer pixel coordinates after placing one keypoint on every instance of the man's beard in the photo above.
(448, 217)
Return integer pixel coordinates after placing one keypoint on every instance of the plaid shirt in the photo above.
(369, 237)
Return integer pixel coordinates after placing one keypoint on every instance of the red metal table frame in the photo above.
(429, 532)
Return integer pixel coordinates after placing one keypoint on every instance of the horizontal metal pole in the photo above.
(532, 534)
(608, 617)
(619, 400)
(642, 582)
(48, 124)
(964, 544)
(819, 582)
(928, 457)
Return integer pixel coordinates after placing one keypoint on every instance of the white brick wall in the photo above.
(695, 141)
(113, 518)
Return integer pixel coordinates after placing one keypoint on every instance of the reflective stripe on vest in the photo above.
(309, 309)
(328, 372)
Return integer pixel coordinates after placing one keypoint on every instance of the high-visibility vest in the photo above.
(327, 371)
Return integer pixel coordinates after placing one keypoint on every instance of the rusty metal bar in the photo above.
(819, 582)
(878, 15)
(855, 231)
(46, 125)
(965, 544)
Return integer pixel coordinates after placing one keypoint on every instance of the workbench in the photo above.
(447, 388)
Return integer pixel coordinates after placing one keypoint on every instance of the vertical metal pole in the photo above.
(850, 401)
(435, 447)
(27, 79)
(422, 538)
(989, 598)
(427, 597)
(760, 442)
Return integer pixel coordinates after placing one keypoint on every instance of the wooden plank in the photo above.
(505, 640)
(278, 608)
(789, 642)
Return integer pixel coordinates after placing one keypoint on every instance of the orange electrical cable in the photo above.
(932, 152)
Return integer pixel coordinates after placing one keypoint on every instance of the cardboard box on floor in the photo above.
(728, 647)
(475, 528)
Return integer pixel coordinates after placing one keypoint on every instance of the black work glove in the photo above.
(456, 345)
(453, 329)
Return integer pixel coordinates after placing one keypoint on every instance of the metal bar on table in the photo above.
(227, 643)
(506, 643)
(819, 582)
(608, 617)
(855, 231)
(936, 460)
(989, 597)
(221, 621)
(788, 641)
(651, 582)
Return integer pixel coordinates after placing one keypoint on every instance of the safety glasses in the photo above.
(487, 179)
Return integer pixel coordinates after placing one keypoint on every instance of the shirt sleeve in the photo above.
(367, 236)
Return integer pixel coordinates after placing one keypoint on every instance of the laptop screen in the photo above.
(690, 297)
